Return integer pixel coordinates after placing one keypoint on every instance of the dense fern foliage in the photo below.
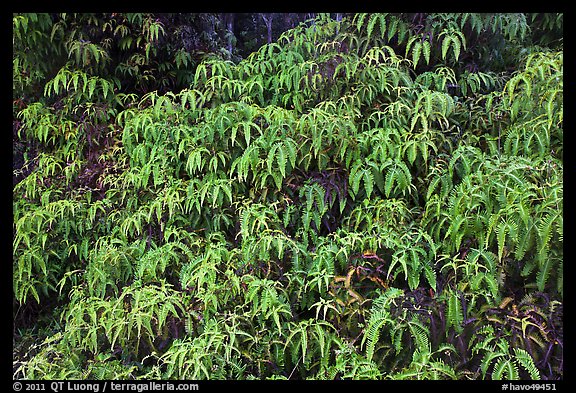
(373, 196)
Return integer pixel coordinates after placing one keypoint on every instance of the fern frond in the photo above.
(505, 369)
(420, 334)
(455, 315)
(372, 333)
(523, 357)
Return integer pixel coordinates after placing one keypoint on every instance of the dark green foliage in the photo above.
(366, 196)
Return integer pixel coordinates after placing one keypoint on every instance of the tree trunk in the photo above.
(268, 21)
(228, 21)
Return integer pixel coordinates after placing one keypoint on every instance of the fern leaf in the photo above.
(501, 230)
(526, 361)
(355, 178)
(372, 333)
(410, 150)
(490, 355)
(360, 20)
(430, 275)
(270, 159)
(389, 183)
(392, 28)
(371, 24)
(455, 314)
(544, 230)
(382, 25)
(368, 179)
(426, 51)
(445, 46)
(282, 160)
(504, 369)
(455, 231)
(456, 47)
(420, 335)
(399, 257)
(416, 50)
(544, 272)
(377, 176)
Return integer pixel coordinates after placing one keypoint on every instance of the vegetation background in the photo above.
(288, 196)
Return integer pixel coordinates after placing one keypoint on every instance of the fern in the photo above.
(455, 315)
(315, 339)
(379, 316)
(398, 176)
(505, 364)
(425, 367)
(187, 359)
(220, 214)
(526, 361)
(377, 321)
(504, 369)
(266, 302)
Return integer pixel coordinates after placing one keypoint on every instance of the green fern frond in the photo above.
(505, 369)
(526, 361)
(372, 333)
(455, 315)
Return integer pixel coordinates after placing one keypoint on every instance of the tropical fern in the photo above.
(379, 316)
(505, 364)
(364, 197)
